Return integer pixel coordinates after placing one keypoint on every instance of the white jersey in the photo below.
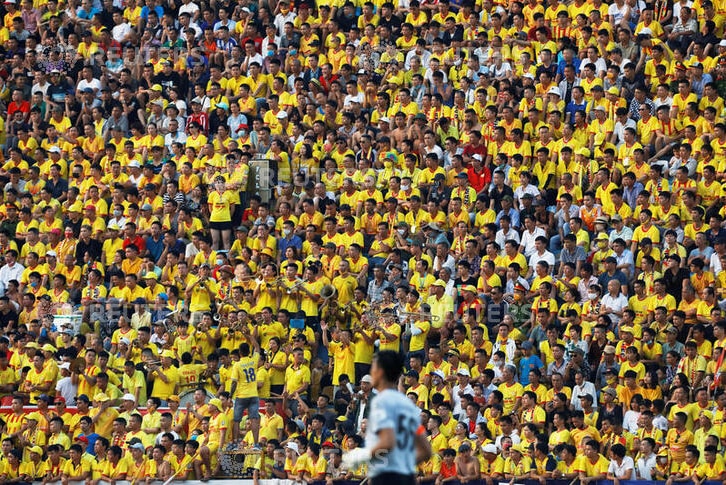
(391, 409)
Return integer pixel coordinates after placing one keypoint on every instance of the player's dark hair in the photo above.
(391, 363)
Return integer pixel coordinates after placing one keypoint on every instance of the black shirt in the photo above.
(92, 247)
(674, 282)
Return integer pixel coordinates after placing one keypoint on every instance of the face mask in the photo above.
(387, 164)
(117, 213)
(591, 296)
(292, 52)
(270, 53)
(219, 262)
(602, 244)
(457, 62)
(405, 187)
(401, 231)
(286, 232)
(33, 284)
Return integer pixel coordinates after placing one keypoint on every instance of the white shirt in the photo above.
(587, 387)
(645, 466)
(94, 84)
(120, 31)
(66, 389)
(350, 99)
(7, 273)
(618, 303)
(502, 237)
(527, 241)
(630, 421)
(191, 8)
(547, 256)
(457, 411)
(619, 470)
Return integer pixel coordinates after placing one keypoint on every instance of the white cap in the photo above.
(439, 373)
(51, 253)
(463, 372)
(477, 157)
(529, 75)
(722, 43)
(384, 120)
(54, 149)
(282, 115)
(555, 90)
(124, 340)
(291, 445)
(64, 365)
(600, 108)
(489, 448)
(128, 397)
(134, 164)
(645, 31)
(367, 379)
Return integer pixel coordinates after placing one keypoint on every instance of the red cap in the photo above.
(55, 231)
(82, 439)
(329, 444)
(90, 207)
(60, 398)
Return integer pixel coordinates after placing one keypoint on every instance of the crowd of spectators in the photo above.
(214, 213)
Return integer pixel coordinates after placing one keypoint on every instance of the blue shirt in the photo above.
(391, 409)
(155, 248)
(527, 364)
(283, 243)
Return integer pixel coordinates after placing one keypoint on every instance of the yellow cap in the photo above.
(36, 449)
(215, 403)
(77, 206)
(100, 397)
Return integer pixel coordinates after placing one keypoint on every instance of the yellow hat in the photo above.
(173, 397)
(36, 449)
(585, 152)
(100, 397)
(267, 251)
(599, 139)
(151, 276)
(77, 206)
(49, 348)
(33, 416)
(168, 353)
(602, 236)
(215, 403)
(707, 414)
(471, 288)
(518, 448)
(32, 345)
(440, 283)
(614, 90)
(663, 451)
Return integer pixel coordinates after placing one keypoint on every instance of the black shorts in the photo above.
(221, 226)
(392, 478)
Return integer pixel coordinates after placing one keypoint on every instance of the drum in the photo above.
(238, 463)
(68, 322)
(187, 397)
